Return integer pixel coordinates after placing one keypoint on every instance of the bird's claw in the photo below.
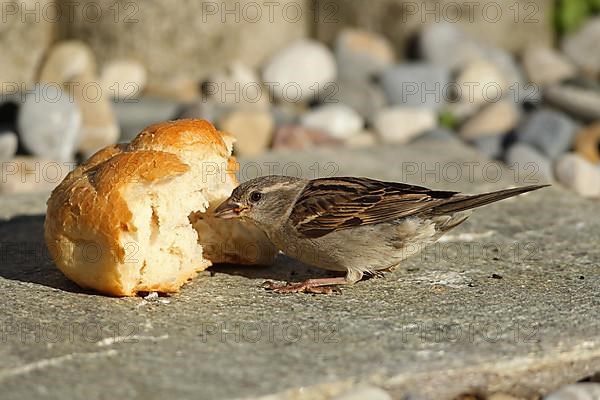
(302, 287)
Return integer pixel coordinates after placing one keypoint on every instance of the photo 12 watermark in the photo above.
(491, 12)
(55, 12)
(257, 332)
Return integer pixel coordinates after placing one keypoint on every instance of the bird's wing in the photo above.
(331, 204)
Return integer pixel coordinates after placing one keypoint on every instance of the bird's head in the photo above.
(266, 201)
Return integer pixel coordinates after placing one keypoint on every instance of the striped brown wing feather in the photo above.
(331, 204)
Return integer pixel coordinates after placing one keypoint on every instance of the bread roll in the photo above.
(120, 223)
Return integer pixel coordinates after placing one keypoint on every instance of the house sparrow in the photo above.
(355, 225)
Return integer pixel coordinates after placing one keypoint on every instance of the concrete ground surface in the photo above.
(508, 302)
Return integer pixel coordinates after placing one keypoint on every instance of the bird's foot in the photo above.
(376, 274)
(313, 286)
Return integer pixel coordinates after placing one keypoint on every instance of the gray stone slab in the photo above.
(508, 302)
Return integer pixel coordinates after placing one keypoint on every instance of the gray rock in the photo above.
(416, 85)
(134, 116)
(577, 391)
(549, 131)
(339, 120)
(72, 65)
(439, 134)
(583, 47)
(8, 145)
(531, 165)
(580, 102)
(461, 111)
(490, 145)
(300, 71)
(213, 35)
(364, 97)
(50, 123)
(447, 45)
(286, 114)
(362, 54)
(204, 108)
(535, 329)
(518, 89)
(577, 173)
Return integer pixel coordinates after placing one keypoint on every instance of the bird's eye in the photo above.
(255, 196)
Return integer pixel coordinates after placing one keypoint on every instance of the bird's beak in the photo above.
(229, 209)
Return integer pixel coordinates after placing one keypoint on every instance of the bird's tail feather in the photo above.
(466, 202)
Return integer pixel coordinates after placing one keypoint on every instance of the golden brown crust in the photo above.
(194, 135)
(87, 213)
(89, 206)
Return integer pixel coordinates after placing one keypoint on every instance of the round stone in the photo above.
(253, 130)
(49, 124)
(8, 145)
(123, 79)
(362, 54)
(236, 86)
(339, 120)
(546, 66)
(580, 102)
(445, 44)
(481, 82)
(416, 85)
(549, 131)
(577, 173)
(66, 60)
(587, 143)
(401, 124)
(531, 166)
(496, 118)
(134, 116)
(490, 145)
(583, 47)
(364, 97)
(287, 113)
(300, 71)
(99, 127)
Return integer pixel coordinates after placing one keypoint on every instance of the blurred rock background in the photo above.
(520, 81)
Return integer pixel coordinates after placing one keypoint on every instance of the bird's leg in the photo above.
(375, 274)
(316, 286)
